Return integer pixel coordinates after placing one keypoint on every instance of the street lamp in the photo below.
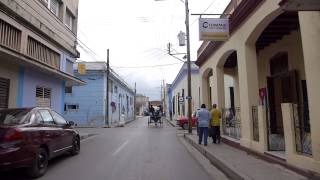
(189, 97)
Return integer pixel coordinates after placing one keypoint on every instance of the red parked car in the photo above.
(30, 137)
(183, 122)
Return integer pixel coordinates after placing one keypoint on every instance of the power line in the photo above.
(204, 11)
(136, 67)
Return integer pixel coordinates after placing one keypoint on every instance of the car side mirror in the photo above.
(70, 123)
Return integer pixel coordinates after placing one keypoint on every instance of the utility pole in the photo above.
(107, 93)
(189, 67)
(164, 97)
(134, 100)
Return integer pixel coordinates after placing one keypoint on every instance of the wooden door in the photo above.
(282, 89)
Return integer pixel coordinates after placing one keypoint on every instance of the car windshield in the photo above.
(13, 116)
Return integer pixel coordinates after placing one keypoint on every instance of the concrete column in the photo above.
(310, 30)
(263, 134)
(248, 89)
(236, 89)
(204, 90)
(288, 126)
(218, 87)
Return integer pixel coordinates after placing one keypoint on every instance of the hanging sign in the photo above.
(213, 29)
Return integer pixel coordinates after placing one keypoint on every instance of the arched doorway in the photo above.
(229, 94)
(282, 75)
(207, 87)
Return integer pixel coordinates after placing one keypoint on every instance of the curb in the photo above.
(171, 123)
(228, 171)
(85, 136)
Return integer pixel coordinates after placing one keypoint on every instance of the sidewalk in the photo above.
(238, 164)
(171, 122)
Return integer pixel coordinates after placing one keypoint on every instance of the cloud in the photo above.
(137, 32)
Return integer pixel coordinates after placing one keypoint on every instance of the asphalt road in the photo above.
(134, 152)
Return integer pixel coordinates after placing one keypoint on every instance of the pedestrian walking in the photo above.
(203, 116)
(151, 110)
(215, 124)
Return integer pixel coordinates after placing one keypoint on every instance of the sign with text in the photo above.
(213, 29)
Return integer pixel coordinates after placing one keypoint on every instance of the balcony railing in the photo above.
(10, 36)
(302, 136)
(255, 123)
(42, 53)
(231, 122)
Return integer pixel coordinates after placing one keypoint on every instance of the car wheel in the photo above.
(75, 146)
(40, 164)
(185, 126)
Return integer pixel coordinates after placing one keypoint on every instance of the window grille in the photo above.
(10, 36)
(43, 97)
(42, 53)
(4, 92)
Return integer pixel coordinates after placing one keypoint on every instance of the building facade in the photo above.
(37, 52)
(86, 105)
(179, 91)
(142, 104)
(272, 56)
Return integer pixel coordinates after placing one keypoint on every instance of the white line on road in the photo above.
(120, 148)
(88, 138)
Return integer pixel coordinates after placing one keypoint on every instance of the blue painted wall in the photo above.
(124, 105)
(20, 87)
(169, 100)
(30, 80)
(90, 98)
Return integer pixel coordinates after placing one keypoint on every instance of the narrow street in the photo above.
(134, 152)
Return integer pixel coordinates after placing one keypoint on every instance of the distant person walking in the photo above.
(215, 124)
(203, 116)
(151, 110)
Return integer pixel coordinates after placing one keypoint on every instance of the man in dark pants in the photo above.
(203, 116)
(215, 123)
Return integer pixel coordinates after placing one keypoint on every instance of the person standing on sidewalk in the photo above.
(215, 123)
(203, 116)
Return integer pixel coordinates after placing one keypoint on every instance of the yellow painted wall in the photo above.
(253, 69)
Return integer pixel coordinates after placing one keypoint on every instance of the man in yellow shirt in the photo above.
(215, 123)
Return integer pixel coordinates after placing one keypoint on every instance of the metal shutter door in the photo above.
(4, 92)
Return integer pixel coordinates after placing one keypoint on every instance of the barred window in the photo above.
(43, 97)
(52, 5)
(68, 90)
(4, 92)
(69, 20)
(71, 107)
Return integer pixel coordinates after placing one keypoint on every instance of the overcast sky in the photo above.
(137, 33)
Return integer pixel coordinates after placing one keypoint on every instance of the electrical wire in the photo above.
(137, 67)
(204, 11)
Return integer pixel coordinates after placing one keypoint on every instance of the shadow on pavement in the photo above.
(21, 174)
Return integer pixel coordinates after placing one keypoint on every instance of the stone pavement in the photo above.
(238, 164)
